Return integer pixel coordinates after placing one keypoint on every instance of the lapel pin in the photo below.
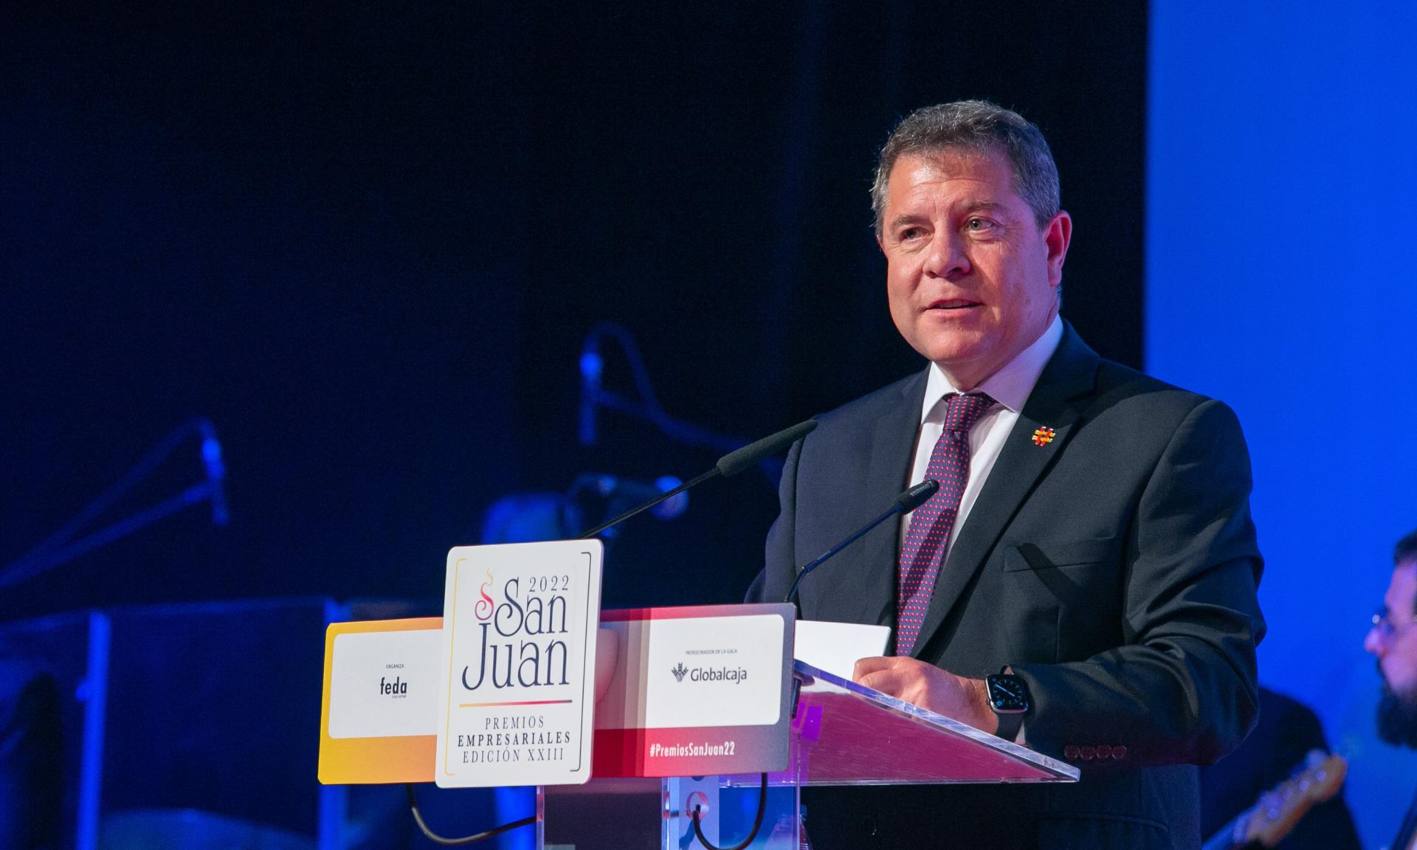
(1043, 436)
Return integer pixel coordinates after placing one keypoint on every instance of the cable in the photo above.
(757, 821)
(467, 839)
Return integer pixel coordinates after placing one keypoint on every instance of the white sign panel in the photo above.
(517, 679)
(699, 671)
(696, 690)
(384, 684)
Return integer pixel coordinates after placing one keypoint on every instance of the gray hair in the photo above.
(976, 125)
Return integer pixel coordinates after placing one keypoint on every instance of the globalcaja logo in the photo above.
(736, 675)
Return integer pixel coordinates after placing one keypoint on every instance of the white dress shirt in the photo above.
(1010, 388)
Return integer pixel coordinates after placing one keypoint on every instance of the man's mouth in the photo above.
(951, 304)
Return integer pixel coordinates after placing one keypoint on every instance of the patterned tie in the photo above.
(932, 522)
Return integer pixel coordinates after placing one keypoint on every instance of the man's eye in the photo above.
(910, 233)
(979, 225)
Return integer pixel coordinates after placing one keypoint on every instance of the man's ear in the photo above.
(1056, 236)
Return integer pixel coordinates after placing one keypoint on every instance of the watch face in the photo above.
(1008, 694)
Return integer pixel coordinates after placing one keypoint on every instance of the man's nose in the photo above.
(947, 258)
(1373, 643)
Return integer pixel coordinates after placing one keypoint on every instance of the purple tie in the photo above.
(932, 522)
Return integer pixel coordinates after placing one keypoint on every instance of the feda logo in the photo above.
(397, 688)
(679, 670)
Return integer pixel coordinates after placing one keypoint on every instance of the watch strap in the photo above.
(1009, 726)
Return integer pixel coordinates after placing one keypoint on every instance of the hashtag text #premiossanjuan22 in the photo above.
(704, 749)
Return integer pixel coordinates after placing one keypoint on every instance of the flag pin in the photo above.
(1043, 436)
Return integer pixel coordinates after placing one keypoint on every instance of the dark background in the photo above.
(368, 242)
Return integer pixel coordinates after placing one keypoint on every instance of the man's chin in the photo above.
(1397, 719)
(967, 366)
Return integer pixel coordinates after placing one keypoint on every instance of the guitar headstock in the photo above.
(1281, 808)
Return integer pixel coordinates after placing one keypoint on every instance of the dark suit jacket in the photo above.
(1114, 568)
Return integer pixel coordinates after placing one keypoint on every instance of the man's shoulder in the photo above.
(1120, 390)
(1125, 390)
(1104, 387)
(1118, 379)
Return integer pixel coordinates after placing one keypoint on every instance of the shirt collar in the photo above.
(1011, 385)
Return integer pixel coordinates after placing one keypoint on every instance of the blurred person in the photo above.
(1393, 641)
(1287, 732)
(31, 753)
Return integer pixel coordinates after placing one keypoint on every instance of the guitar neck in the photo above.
(1277, 811)
(1225, 837)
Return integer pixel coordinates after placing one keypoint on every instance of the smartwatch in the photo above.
(1008, 697)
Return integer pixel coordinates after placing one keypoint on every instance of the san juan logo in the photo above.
(522, 629)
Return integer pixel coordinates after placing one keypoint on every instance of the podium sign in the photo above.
(696, 690)
(516, 701)
(379, 707)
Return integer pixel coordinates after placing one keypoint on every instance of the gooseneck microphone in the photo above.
(619, 492)
(216, 472)
(906, 502)
(730, 464)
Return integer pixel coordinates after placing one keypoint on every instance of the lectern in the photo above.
(842, 734)
(672, 727)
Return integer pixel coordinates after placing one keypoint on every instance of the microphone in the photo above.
(729, 465)
(216, 472)
(591, 368)
(615, 489)
(906, 502)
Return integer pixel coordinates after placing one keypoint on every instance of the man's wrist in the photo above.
(985, 718)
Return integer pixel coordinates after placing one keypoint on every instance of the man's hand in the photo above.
(928, 686)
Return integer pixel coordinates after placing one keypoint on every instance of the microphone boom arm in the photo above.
(904, 504)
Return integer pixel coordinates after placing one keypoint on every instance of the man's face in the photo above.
(1394, 641)
(971, 278)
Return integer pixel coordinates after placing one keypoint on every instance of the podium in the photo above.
(614, 710)
(842, 734)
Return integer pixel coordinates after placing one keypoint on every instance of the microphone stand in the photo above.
(60, 547)
(904, 504)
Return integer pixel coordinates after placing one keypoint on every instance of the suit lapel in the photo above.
(1054, 403)
(892, 437)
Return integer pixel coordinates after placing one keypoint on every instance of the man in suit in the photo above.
(1090, 544)
(1393, 641)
